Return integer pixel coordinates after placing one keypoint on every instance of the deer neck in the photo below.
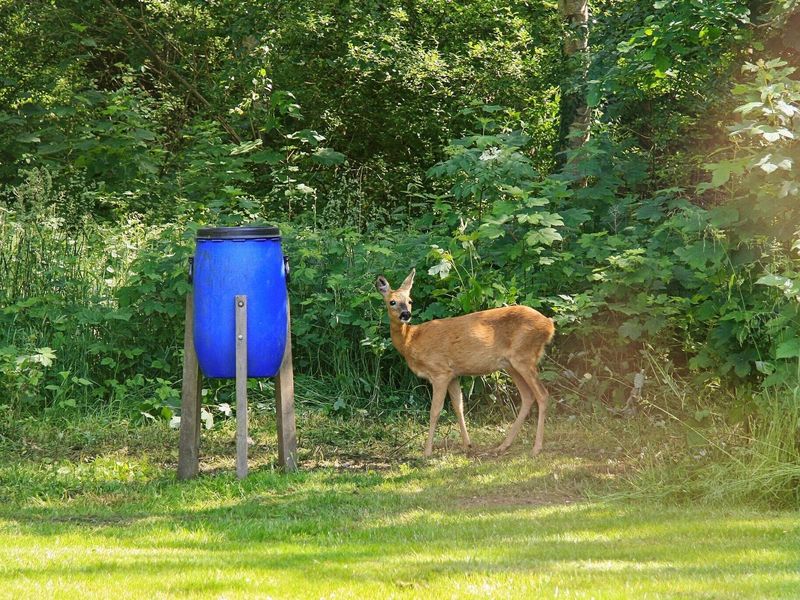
(402, 334)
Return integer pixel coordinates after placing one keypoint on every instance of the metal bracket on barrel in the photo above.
(241, 386)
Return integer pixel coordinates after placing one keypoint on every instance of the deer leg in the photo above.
(439, 392)
(526, 397)
(457, 400)
(542, 399)
(531, 375)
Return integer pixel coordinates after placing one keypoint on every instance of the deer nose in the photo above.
(405, 315)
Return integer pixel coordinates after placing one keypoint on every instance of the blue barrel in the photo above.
(231, 261)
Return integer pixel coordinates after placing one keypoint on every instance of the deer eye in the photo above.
(392, 303)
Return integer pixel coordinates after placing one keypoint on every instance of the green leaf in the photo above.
(701, 361)
(269, 157)
(784, 373)
(28, 138)
(530, 218)
(442, 269)
(551, 220)
(720, 175)
(764, 367)
(741, 364)
(144, 134)
(593, 96)
(723, 216)
(307, 135)
(721, 171)
(700, 415)
(328, 156)
(503, 208)
(630, 329)
(749, 107)
(694, 439)
(535, 201)
(788, 349)
(492, 230)
(778, 281)
(147, 166)
(542, 237)
(246, 147)
(650, 211)
(44, 356)
(662, 63)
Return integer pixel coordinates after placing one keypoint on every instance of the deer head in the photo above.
(398, 302)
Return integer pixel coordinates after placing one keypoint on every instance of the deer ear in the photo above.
(409, 281)
(382, 285)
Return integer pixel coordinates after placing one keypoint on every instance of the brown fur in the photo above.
(512, 338)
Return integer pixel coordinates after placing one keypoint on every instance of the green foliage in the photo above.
(676, 43)
(22, 375)
(229, 104)
(763, 201)
(760, 171)
(82, 291)
(657, 79)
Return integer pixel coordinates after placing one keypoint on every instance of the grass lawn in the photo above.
(93, 510)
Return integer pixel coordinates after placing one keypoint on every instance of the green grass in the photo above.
(94, 511)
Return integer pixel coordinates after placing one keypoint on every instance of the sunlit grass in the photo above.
(116, 524)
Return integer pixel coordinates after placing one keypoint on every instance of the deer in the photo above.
(510, 338)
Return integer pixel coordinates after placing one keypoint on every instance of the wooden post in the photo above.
(241, 386)
(284, 407)
(189, 445)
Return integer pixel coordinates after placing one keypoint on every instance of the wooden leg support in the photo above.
(189, 445)
(284, 408)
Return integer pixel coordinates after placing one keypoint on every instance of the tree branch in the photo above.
(172, 72)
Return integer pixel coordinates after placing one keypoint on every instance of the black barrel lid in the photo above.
(238, 233)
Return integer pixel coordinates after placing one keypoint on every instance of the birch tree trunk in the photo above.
(575, 114)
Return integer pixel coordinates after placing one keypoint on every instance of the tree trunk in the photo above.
(575, 114)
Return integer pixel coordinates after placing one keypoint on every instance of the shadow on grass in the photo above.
(517, 524)
(389, 540)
